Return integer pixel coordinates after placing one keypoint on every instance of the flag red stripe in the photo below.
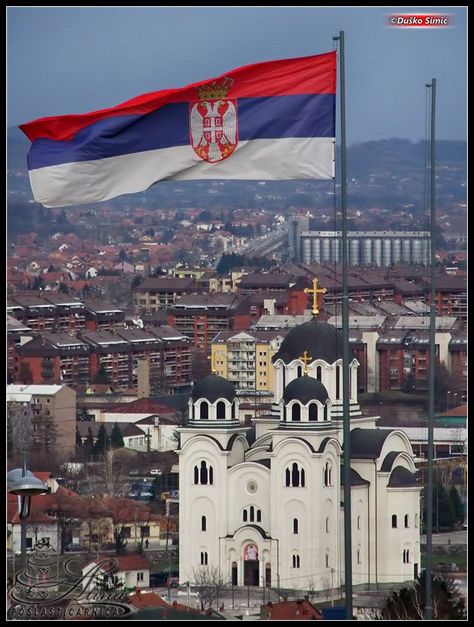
(304, 75)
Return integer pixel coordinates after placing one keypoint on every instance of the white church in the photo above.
(265, 504)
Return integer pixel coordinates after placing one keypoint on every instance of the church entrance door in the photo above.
(251, 573)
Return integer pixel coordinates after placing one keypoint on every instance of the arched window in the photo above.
(259, 515)
(233, 411)
(394, 521)
(203, 523)
(220, 410)
(325, 411)
(296, 412)
(299, 371)
(313, 411)
(295, 477)
(319, 373)
(358, 522)
(252, 513)
(327, 560)
(234, 573)
(244, 515)
(295, 525)
(327, 475)
(406, 556)
(203, 558)
(358, 556)
(204, 473)
(296, 560)
(327, 524)
(416, 520)
(406, 521)
(338, 382)
(204, 411)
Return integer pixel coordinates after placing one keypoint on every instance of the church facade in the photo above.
(264, 505)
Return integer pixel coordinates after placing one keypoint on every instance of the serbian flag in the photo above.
(271, 120)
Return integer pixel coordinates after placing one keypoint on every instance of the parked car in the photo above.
(155, 471)
(184, 592)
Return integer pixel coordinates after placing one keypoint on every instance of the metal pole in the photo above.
(23, 509)
(345, 345)
(431, 391)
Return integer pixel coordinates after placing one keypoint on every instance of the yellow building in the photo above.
(245, 358)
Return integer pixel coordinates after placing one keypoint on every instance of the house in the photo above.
(300, 609)
(132, 570)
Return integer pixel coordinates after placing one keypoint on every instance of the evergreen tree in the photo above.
(458, 507)
(102, 441)
(116, 438)
(443, 511)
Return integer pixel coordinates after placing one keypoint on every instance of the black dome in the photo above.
(305, 389)
(321, 340)
(213, 387)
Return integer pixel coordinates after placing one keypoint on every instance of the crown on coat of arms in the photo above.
(215, 89)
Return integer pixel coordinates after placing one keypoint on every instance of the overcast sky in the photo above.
(73, 60)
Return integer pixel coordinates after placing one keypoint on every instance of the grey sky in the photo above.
(64, 60)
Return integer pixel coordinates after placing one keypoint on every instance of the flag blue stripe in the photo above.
(309, 115)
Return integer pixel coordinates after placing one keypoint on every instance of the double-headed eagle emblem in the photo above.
(213, 122)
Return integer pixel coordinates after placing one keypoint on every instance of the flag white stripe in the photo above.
(259, 159)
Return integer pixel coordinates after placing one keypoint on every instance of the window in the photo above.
(327, 475)
(140, 576)
(327, 560)
(145, 531)
(358, 556)
(244, 515)
(252, 513)
(325, 411)
(259, 515)
(295, 525)
(203, 523)
(327, 524)
(406, 521)
(295, 477)
(358, 522)
(296, 412)
(394, 521)
(220, 410)
(126, 532)
(406, 556)
(204, 411)
(296, 560)
(318, 373)
(29, 543)
(416, 520)
(338, 382)
(313, 412)
(203, 474)
(299, 371)
(203, 558)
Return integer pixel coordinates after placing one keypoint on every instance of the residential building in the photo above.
(161, 292)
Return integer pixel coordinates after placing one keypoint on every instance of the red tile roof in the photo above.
(126, 562)
(461, 410)
(293, 610)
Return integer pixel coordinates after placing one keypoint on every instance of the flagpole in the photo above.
(431, 387)
(345, 344)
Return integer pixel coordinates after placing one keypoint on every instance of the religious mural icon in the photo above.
(250, 552)
(213, 122)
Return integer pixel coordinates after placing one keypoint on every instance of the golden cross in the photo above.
(306, 359)
(213, 360)
(315, 293)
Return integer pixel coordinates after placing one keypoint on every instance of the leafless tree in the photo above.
(209, 582)
(19, 428)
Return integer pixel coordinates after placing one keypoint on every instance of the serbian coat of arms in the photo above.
(213, 122)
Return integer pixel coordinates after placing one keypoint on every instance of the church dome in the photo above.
(213, 387)
(305, 389)
(319, 339)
